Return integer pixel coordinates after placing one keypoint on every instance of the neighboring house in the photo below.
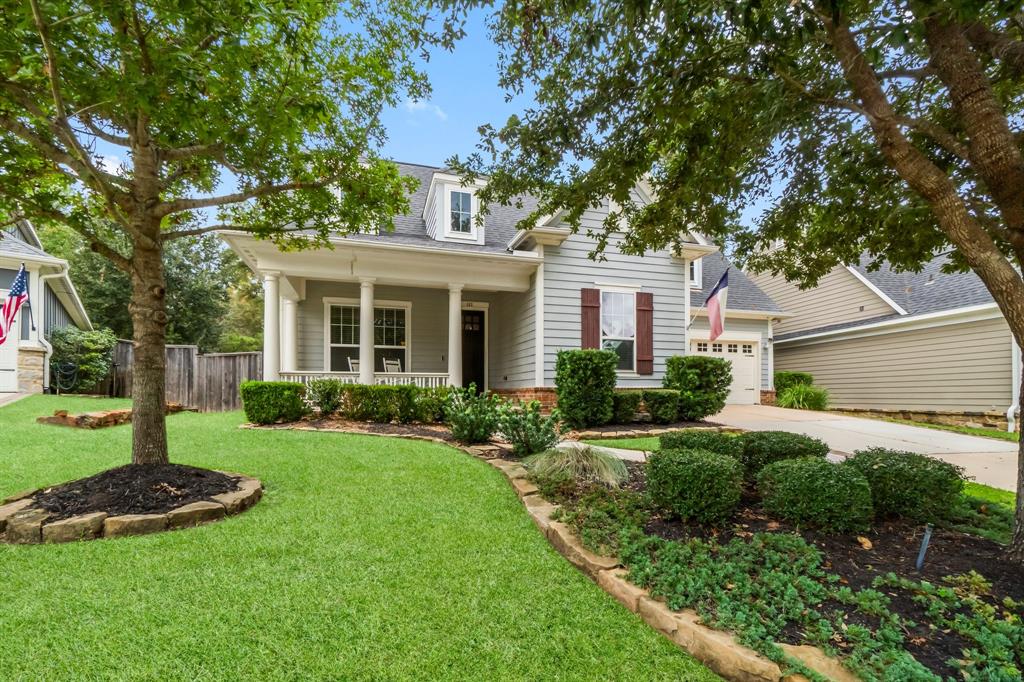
(53, 304)
(928, 342)
(443, 301)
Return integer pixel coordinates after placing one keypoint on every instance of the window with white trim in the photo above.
(462, 212)
(716, 348)
(618, 327)
(696, 274)
(702, 347)
(390, 341)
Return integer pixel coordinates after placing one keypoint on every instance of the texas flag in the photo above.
(716, 306)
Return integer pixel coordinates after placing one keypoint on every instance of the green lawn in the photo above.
(646, 443)
(368, 558)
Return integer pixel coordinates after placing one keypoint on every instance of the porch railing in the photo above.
(421, 379)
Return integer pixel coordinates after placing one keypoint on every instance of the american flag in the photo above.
(716, 306)
(16, 297)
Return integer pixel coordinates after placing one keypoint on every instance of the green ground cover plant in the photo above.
(368, 558)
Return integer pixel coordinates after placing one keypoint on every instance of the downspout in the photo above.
(42, 321)
(1011, 413)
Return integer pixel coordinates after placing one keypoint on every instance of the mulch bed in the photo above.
(422, 430)
(894, 546)
(134, 489)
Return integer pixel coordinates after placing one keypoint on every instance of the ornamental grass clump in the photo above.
(814, 493)
(905, 484)
(803, 397)
(695, 485)
(761, 448)
(580, 462)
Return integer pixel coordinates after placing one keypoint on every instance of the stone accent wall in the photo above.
(30, 369)
(768, 397)
(546, 396)
(981, 420)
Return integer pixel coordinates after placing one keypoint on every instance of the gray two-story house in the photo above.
(443, 300)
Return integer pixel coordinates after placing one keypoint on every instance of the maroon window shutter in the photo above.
(590, 318)
(644, 332)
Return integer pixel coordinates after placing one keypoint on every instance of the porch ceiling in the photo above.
(390, 264)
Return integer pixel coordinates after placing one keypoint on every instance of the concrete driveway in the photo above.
(989, 461)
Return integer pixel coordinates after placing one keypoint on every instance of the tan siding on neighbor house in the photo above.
(839, 297)
(961, 367)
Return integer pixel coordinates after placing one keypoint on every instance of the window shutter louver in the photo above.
(644, 332)
(590, 318)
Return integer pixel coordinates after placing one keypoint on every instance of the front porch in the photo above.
(386, 316)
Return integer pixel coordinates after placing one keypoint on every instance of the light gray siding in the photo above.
(509, 328)
(960, 368)
(57, 316)
(735, 324)
(567, 270)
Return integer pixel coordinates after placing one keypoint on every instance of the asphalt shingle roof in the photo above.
(9, 246)
(930, 290)
(743, 293)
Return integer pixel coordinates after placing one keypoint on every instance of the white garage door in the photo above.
(9, 355)
(743, 357)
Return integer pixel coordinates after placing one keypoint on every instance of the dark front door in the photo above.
(474, 350)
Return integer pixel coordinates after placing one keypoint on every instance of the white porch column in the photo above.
(271, 326)
(455, 334)
(366, 330)
(289, 335)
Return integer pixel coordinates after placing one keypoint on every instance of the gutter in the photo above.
(42, 336)
(1011, 412)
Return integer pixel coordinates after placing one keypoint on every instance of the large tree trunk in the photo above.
(1016, 551)
(149, 322)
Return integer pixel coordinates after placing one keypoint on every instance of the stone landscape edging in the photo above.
(647, 433)
(21, 525)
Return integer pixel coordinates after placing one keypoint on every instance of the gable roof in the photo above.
(410, 228)
(743, 293)
(928, 291)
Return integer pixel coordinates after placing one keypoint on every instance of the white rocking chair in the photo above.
(353, 365)
(392, 366)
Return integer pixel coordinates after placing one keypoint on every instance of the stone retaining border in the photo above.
(646, 433)
(21, 525)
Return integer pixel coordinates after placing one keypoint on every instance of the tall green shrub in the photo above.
(784, 380)
(326, 395)
(91, 353)
(269, 402)
(910, 485)
(625, 405)
(703, 383)
(662, 404)
(695, 484)
(585, 384)
(818, 494)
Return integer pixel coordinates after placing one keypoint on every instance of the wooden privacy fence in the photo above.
(209, 382)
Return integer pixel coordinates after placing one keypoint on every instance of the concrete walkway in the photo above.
(989, 461)
(8, 398)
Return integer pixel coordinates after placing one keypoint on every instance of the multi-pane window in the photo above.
(702, 347)
(462, 214)
(733, 347)
(748, 348)
(390, 327)
(716, 348)
(618, 327)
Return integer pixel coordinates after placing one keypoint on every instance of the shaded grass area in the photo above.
(985, 511)
(368, 558)
(643, 443)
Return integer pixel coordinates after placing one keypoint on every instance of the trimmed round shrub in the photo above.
(269, 402)
(326, 395)
(803, 397)
(585, 384)
(784, 380)
(702, 381)
(906, 484)
(700, 439)
(761, 448)
(662, 404)
(814, 493)
(380, 404)
(625, 405)
(695, 485)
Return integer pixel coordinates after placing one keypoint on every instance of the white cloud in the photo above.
(414, 106)
(109, 164)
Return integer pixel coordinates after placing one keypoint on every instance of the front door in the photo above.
(474, 349)
(9, 355)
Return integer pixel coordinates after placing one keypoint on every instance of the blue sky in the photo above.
(465, 95)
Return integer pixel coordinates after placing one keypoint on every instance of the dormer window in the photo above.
(462, 213)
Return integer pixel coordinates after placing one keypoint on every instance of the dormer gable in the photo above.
(452, 210)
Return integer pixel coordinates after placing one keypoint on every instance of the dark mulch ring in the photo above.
(135, 489)
(858, 559)
(421, 430)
